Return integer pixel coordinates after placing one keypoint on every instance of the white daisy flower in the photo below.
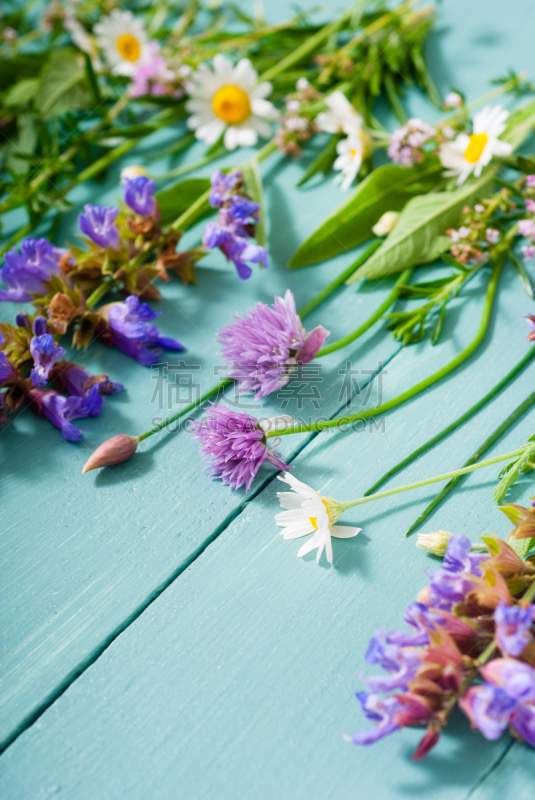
(123, 40)
(469, 154)
(229, 97)
(350, 151)
(341, 116)
(308, 512)
(81, 37)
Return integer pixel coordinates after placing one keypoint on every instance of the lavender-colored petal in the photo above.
(98, 222)
(139, 195)
(513, 624)
(380, 710)
(313, 342)
(514, 677)
(45, 352)
(489, 708)
(523, 721)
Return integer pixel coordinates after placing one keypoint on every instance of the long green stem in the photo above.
(424, 448)
(422, 385)
(309, 46)
(446, 476)
(187, 168)
(99, 293)
(489, 441)
(310, 306)
(392, 297)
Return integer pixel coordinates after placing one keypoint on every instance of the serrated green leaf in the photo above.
(418, 235)
(22, 92)
(175, 200)
(388, 188)
(253, 187)
(63, 85)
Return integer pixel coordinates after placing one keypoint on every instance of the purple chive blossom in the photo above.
(265, 345)
(401, 662)
(28, 271)
(62, 410)
(236, 444)
(382, 711)
(406, 143)
(139, 195)
(223, 186)
(132, 332)
(530, 180)
(513, 624)
(526, 227)
(530, 205)
(45, 352)
(98, 222)
(78, 382)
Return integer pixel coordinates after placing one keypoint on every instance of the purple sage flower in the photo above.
(40, 326)
(450, 584)
(62, 410)
(513, 624)
(223, 186)
(98, 222)
(132, 332)
(236, 444)
(508, 697)
(266, 344)
(383, 712)
(27, 272)
(139, 195)
(78, 381)
(22, 320)
(45, 352)
(401, 662)
(7, 371)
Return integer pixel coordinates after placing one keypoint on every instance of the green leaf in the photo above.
(418, 235)
(63, 85)
(522, 275)
(22, 92)
(386, 189)
(514, 469)
(179, 197)
(437, 327)
(522, 547)
(253, 187)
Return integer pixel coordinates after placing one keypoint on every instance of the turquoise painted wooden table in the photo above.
(159, 638)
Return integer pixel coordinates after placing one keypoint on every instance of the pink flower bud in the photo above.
(114, 451)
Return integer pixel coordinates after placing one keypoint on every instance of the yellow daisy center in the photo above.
(128, 47)
(475, 147)
(231, 104)
(314, 520)
(353, 153)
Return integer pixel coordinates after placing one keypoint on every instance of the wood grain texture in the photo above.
(237, 681)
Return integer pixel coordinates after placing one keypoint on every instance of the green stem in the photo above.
(187, 168)
(99, 293)
(456, 423)
(392, 297)
(306, 48)
(328, 290)
(191, 407)
(320, 297)
(456, 473)
(422, 385)
(529, 594)
(500, 430)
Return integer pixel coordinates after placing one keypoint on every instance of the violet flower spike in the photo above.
(236, 445)
(132, 332)
(98, 222)
(222, 186)
(139, 195)
(27, 272)
(266, 344)
(45, 352)
(62, 410)
(382, 711)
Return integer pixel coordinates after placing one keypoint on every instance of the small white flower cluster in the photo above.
(296, 126)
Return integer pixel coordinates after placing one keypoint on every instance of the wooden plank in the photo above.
(237, 681)
(510, 777)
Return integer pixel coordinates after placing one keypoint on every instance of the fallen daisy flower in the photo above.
(308, 512)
